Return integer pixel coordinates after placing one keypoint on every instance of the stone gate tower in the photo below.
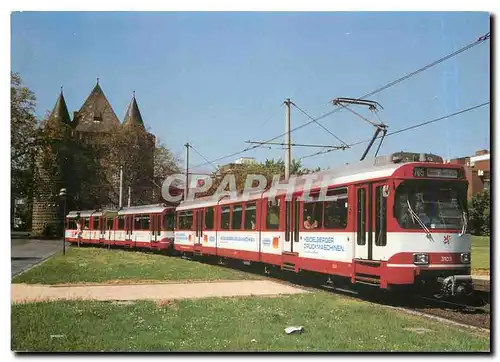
(92, 123)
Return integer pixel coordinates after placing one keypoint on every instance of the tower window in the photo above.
(97, 118)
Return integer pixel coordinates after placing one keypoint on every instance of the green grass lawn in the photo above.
(331, 323)
(480, 255)
(91, 265)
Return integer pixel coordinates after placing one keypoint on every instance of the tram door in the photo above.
(102, 228)
(363, 223)
(110, 228)
(199, 216)
(156, 227)
(292, 218)
(152, 227)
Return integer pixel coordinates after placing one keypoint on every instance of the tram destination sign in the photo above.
(436, 172)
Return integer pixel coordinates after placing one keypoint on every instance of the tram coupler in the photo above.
(456, 285)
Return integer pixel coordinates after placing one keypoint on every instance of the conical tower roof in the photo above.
(133, 115)
(96, 113)
(60, 114)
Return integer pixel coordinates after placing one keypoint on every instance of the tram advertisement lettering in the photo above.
(238, 239)
(321, 243)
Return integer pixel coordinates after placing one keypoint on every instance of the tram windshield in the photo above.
(435, 204)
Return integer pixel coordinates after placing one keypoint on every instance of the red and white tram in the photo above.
(147, 227)
(389, 222)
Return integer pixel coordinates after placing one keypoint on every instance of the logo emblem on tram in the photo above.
(446, 239)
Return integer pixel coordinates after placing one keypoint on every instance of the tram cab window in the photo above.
(437, 204)
(250, 216)
(313, 212)
(273, 214)
(336, 209)
(71, 224)
(237, 217)
(225, 217)
(169, 221)
(209, 218)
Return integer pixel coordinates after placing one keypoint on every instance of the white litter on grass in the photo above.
(57, 336)
(83, 264)
(418, 330)
(290, 330)
(123, 302)
(253, 340)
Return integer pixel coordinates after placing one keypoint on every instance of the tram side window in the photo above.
(209, 218)
(95, 224)
(237, 217)
(336, 209)
(381, 217)
(137, 222)
(186, 220)
(361, 221)
(121, 223)
(110, 223)
(250, 216)
(273, 215)
(313, 212)
(86, 223)
(224, 217)
(71, 224)
(179, 219)
(168, 221)
(145, 222)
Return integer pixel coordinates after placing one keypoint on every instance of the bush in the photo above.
(479, 213)
(49, 230)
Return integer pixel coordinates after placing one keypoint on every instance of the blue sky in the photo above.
(219, 79)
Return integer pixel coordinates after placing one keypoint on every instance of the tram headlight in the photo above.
(465, 258)
(421, 258)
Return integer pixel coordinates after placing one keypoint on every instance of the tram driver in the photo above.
(252, 221)
(310, 225)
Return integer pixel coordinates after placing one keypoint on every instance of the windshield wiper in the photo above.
(414, 217)
(464, 226)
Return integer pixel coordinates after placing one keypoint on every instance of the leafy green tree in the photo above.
(24, 127)
(268, 169)
(145, 161)
(479, 213)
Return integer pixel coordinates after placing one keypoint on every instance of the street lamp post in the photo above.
(62, 194)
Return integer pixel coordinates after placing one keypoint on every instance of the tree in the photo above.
(145, 164)
(24, 127)
(269, 168)
(165, 164)
(295, 167)
(479, 213)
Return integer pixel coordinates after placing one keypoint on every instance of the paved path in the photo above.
(28, 252)
(481, 277)
(22, 293)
